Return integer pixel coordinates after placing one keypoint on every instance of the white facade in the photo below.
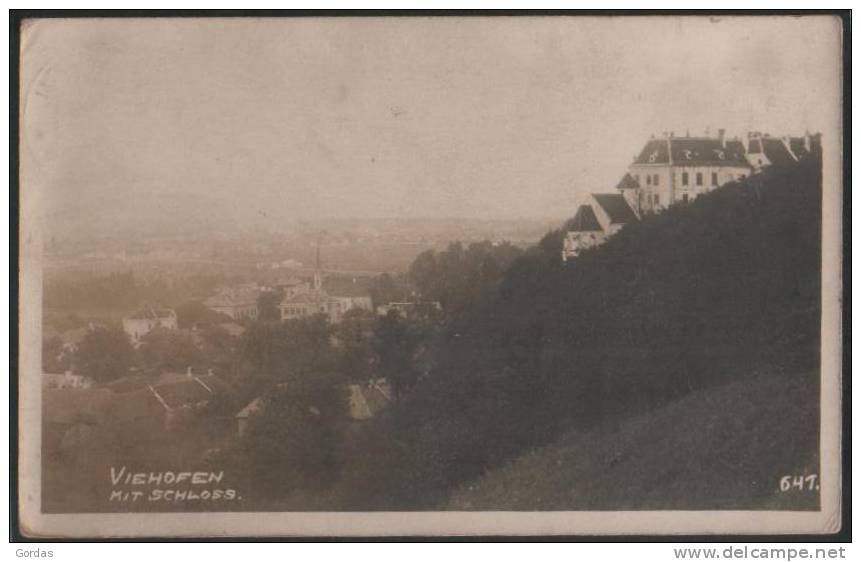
(146, 320)
(675, 170)
(665, 185)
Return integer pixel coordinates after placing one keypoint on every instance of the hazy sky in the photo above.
(394, 117)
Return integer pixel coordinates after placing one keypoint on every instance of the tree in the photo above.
(267, 306)
(104, 354)
(296, 441)
(459, 275)
(169, 350)
(292, 348)
(355, 341)
(194, 313)
(394, 348)
(385, 289)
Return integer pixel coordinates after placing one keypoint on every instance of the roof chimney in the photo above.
(722, 137)
(807, 143)
(189, 373)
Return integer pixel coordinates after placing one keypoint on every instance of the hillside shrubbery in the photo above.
(722, 289)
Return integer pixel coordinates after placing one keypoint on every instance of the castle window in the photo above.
(699, 178)
(657, 200)
(714, 178)
(648, 180)
(684, 197)
(655, 181)
(684, 178)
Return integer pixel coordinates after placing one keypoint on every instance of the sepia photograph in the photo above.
(430, 275)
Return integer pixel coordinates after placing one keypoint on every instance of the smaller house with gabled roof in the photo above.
(239, 303)
(605, 215)
(147, 319)
(367, 401)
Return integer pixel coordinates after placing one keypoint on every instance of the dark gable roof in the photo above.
(693, 151)
(776, 151)
(183, 393)
(627, 182)
(655, 152)
(616, 207)
(754, 147)
(796, 144)
(584, 221)
(707, 151)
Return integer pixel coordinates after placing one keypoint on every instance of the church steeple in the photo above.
(318, 275)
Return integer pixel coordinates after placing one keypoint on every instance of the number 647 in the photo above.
(799, 482)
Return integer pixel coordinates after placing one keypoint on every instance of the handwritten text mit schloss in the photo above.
(169, 486)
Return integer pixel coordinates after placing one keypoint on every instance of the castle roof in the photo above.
(781, 151)
(693, 151)
(615, 206)
(584, 221)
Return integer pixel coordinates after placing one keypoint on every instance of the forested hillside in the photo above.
(725, 290)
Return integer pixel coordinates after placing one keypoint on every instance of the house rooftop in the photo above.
(151, 313)
(584, 221)
(693, 151)
(252, 408)
(627, 182)
(236, 296)
(368, 401)
(616, 208)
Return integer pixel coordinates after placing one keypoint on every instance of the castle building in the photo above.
(674, 170)
(679, 169)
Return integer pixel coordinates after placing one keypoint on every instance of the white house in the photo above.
(309, 301)
(147, 319)
(605, 215)
(65, 380)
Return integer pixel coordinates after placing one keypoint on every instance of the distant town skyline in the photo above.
(307, 118)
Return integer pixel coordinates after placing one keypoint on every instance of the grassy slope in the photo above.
(724, 447)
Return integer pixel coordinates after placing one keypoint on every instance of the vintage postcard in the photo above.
(392, 276)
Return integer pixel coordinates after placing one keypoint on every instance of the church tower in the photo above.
(318, 275)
